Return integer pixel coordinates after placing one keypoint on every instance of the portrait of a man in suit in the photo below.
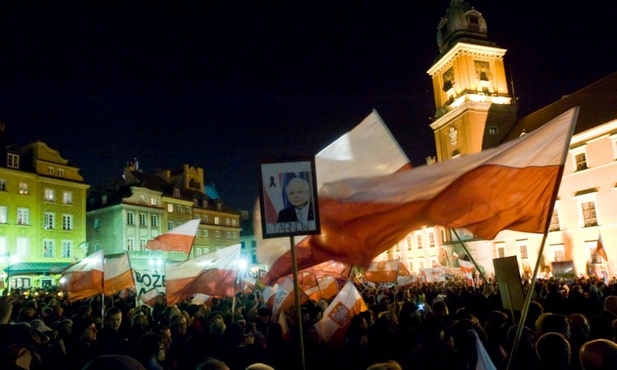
(298, 193)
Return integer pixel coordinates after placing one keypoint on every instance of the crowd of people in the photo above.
(570, 325)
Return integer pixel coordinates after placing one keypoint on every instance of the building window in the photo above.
(176, 193)
(580, 159)
(217, 234)
(233, 222)
(154, 220)
(12, 160)
(408, 241)
(142, 243)
(170, 225)
(49, 221)
(67, 197)
(419, 240)
(50, 195)
(228, 235)
(4, 215)
(493, 130)
(187, 210)
(130, 244)
(23, 188)
(67, 248)
(554, 226)
(142, 199)
(206, 250)
(2, 184)
(142, 219)
(205, 233)
(179, 208)
(154, 201)
(178, 223)
(522, 247)
(588, 212)
(130, 218)
(67, 222)
(217, 220)
(23, 216)
(227, 222)
(205, 218)
(431, 239)
(170, 208)
(48, 248)
(50, 171)
(23, 247)
(558, 253)
(501, 252)
(60, 172)
(234, 235)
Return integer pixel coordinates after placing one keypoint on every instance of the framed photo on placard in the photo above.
(288, 197)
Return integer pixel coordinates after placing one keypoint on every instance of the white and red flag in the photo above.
(285, 298)
(213, 274)
(336, 318)
(467, 267)
(84, 279)
(117, 274)
(600, 248)
(382, 271)
(179, 239)
(369, 149)
(484, 192)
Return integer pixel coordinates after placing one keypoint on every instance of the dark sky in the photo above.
(223, 84)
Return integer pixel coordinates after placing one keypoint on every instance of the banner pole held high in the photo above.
(294, 263)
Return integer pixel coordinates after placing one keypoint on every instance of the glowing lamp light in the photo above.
(62, 281)
(242, 264)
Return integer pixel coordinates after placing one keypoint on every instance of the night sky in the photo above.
(223, 84)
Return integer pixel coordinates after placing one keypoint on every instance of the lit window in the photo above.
(555, 220)
(130, 244)
(50, 195)
(501, 252)
(589, 213)
(154, 201)
(50, 170)
(48, 248)
(23, 246)
(23, 188)
(23, 216)
(580, 159)
(67, 197)
(142, 219)
(67, 248)
(170, 208)
(217, 220)
(142, 243)
(2, 185)
(3, 215)
(558, 253)
(67, 222)
(233, 222)
(408, 240)
(205, 233)
(60, 172)
(130, 218)
(12, 160)
(431, 239)
(419, 240)
(154, 220)
(522, 247)
(49, 221)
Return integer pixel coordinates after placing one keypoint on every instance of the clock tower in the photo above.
(474, 109)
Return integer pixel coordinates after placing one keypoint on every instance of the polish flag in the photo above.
(382, 271)
(213, 274)
(118, 274)
(84, 279)
(368, 150)
(336, 318)
(325, 287)
(600, 248)
(285, 297)
(484, 192)
(467, 267)
(179, 239)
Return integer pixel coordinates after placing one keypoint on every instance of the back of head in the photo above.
(610, 304)
(554, 351)
(212, 364)
(390, 365)
(116, 362)
(259, 366)
(598, 354)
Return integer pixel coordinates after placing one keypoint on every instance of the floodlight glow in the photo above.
(242, 264)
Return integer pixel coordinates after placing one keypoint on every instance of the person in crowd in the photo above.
(110, 339)
(598, 354)
(20, 346)
(83, 347)
(151, 351)
(212, 364)
(554, 351)
(113, 362)
(601, 323)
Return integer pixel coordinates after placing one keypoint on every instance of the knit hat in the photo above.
(39, 325)
(80, 324)
(21, 335)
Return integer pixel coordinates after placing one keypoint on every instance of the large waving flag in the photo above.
(118, 274)
(84, 279)
(600, 248)
(382, 271)
(213, 274)
(179, 239)
(511, 187)
(336, 318)
(367, 150)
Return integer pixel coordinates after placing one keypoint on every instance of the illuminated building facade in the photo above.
(42, 214)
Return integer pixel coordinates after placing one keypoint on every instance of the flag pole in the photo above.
(469, 254)
(549, 215)
(294, 264)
